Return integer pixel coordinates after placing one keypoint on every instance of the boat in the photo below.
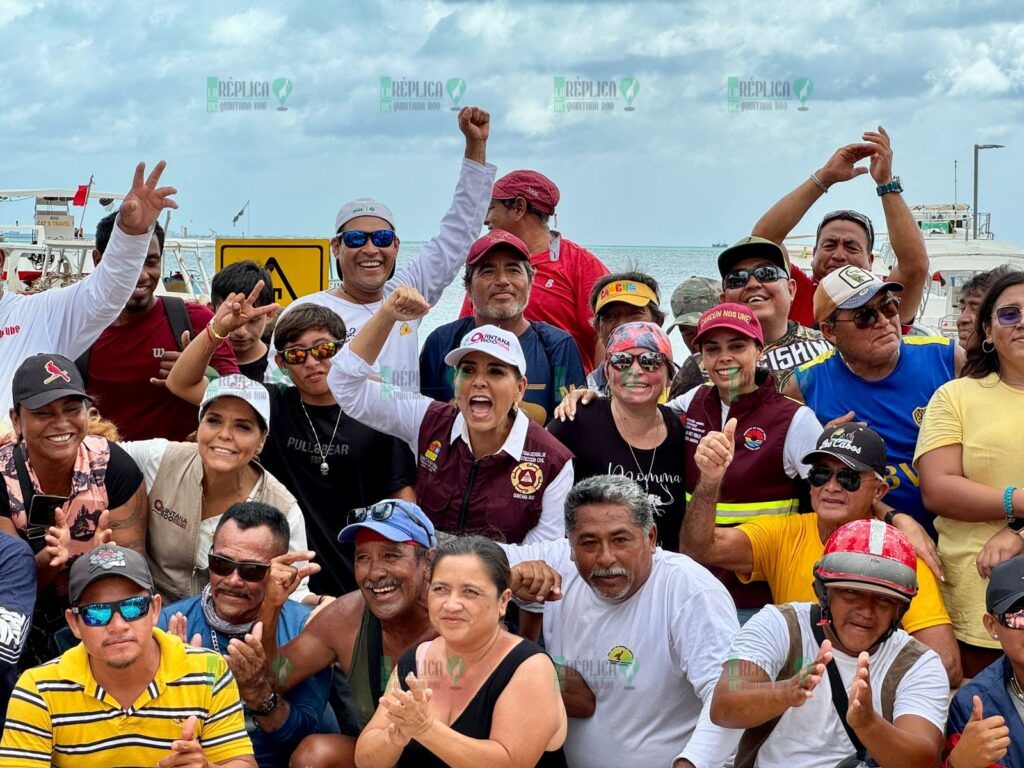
(719, 245)
(53, 252)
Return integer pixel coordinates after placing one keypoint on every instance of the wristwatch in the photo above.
(268, 706)
(896, 185)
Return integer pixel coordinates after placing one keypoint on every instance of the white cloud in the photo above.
(247, 29)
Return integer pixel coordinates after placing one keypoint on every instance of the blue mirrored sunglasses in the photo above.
(101, 614)
(382, 238)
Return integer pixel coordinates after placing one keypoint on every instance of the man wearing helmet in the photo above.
(846, 471)
(832, 683)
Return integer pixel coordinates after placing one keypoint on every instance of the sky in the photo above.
(92, 88)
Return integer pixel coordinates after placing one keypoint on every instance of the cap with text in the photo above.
(104, 561)
(496, 238)
(858, 447)
(538, 190)
(363, 206)
(43, 378)
(242, 387)
(491, 340)
(848, 288)
(736, 317)
(628, 292)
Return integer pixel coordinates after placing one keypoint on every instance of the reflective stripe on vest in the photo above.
(734, 513)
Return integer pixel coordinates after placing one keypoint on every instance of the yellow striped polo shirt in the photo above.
(60, 715)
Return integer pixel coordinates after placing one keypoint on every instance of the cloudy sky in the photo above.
(90, 88)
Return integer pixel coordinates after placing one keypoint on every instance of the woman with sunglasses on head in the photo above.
(629, 433)
(482, 465)
(970, 465)
(770, 433)
(326, 459)
(191, 485)
(476, 695)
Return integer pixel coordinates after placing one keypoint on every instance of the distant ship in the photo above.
(719, 245)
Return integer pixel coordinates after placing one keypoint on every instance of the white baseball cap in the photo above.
(363, 206)
(242, 387)
(491, 340)
(848, 288)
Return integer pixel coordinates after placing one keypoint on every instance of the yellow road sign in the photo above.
(297, 267)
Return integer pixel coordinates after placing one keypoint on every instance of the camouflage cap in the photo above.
(692, 298)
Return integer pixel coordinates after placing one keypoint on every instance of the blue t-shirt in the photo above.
(553, 365)
(893, 407)
(17, 601)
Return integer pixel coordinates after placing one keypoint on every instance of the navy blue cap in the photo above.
(395, 520)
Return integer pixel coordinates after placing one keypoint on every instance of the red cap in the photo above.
(496, 238)
(734, 316)
(538, 189)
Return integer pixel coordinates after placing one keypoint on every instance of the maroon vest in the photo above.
(496, 496)
(756, 482)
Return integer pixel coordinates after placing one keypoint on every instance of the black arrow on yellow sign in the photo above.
(273, 268)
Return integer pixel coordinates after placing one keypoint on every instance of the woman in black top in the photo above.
(629, 433)
(477, 695)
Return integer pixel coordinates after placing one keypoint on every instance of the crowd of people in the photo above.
(234, 535)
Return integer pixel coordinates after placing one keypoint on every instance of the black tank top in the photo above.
(475, 720)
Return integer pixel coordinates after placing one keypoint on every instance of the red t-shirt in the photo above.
(560, 294)
(124, 359)
(802, 308)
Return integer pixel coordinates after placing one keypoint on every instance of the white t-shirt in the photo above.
(149, 453)
(66, 321)
(801, 438)
(812, 736)
(652, 661)
(433, 269)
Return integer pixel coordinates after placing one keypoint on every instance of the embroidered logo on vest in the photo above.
(433, 450)
(170, 515)
(527, 477)
(754, 438)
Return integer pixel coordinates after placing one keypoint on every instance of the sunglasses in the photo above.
(1013, 620)
(381, 511)
(101, 614)
(866, 317)
(382, 238)
(1008, 316)
(848, 479)
(225, 566)
(623, 361)
(766, 273)
(325, 350)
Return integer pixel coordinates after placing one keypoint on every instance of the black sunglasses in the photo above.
(623, 361)
(866, 317)
(384, 510)
(766, 273)
(325, 350)
(248, 571)
(1008, 315)
(101, 614)
(382, 238)
(848, 479)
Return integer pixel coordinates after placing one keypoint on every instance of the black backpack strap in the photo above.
(754, 738)
(28, 491)
(177, 316)
(905, 659)
(82, 364)
(839, 698)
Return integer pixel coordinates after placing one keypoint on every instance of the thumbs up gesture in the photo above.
(715, 451)
(983, 741)
(186, 752)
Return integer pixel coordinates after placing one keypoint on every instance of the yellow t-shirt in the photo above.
(786, 549)
(985, 417)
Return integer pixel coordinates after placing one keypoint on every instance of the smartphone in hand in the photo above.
(42, 514)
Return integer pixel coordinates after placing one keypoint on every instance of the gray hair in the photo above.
(610, 489)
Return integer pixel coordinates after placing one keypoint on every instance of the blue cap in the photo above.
(402, 521)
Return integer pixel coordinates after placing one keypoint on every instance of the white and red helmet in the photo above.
(871, 556)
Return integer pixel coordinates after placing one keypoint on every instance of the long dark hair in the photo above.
(980, 363)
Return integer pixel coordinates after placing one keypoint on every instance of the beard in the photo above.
(503, 311)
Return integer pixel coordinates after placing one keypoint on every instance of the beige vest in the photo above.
(175, 514)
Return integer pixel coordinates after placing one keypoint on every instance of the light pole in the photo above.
(976, 148)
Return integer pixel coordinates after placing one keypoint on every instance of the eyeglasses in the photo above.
(1013, 620)
(1008, 315)
(623, 361)
(766, 273)
(325, 350)
(101, 614)
(382, 238)
(866, 317)
(248, 571)
(384, 510)
(848, 479)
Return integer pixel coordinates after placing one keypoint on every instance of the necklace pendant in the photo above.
(324, 469)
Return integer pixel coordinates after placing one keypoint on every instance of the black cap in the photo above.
(108, 560)
(1005, 585)
(43, 378)
(857, 447)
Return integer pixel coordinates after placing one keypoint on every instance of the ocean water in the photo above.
(668, 265)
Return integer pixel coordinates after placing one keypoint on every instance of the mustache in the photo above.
(598, 573)
(382, 583)
(231, 592)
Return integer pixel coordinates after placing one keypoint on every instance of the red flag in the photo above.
(81, 195)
